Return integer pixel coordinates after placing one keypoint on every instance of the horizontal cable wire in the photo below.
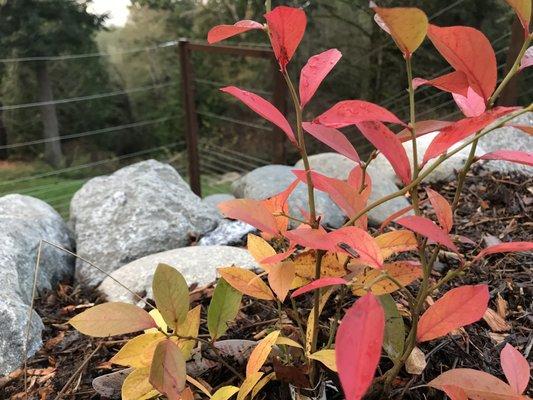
(222, 84)
(90, 133)
(225, 167)
(170, 43)
(232, 159)
(237, 153)
(88, 165)
(88, 97)
(233, 121)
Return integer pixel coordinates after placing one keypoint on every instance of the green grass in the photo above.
(58, 190)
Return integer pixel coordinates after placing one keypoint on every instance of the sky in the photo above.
(117, 9)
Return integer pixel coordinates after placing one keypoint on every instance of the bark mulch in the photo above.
(495, 207)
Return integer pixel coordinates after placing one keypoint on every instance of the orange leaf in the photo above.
(260, 353)
(280, 278)
(246, 282)
(278, 204)
(252, 212)
(458, 307)
(404, 272)
(442, 208)
(407, 26)
(475, 384)
(395, 242)
(168, 373)
(111, 319)
(523, 11)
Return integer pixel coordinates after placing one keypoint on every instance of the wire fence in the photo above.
(56, 186)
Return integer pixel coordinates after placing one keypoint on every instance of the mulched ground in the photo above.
(495, 207)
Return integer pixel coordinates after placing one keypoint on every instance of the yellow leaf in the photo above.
(246, 282)
(225, 392)
(280, 278)
(260, 249)
(407, 26)
(288, 342)
(171, 295)
(111, 319)
(133, 353)
(332, 265)
(158, 318)
(193, 381)
(261, 384)
(167, 372)
(326, 357)
(260, 353)
(189, 328)
(249, 384)
(404, 272)
(137, 387)
(395, 242)
(325, 295)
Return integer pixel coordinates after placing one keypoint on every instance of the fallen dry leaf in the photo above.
(496, 323)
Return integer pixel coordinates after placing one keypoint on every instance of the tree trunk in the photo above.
(3, 136)
(52, 148)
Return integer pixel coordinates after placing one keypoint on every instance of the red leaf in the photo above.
(505, 248)
(442, 208)
(461, 130)
(458, 307)
(471, 105)
(252, 212)
(469, 51)
(333, 138)
(454, 82)
(422, 128)
(357, 239)
(319, 283)
(286, 27)
(314, 72)
(429, 229)
(395, 215)
(350, 112)
(527, 59)
(279, 257)
(263, 108)
(519, 157)
(385, 141)
(346, 196)
(221, 32)
(358, 346)
(311, 238)
(524, 128)
(515, 367)
(460, 383)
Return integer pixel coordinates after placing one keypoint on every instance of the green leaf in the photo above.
(394, 337)
(111, 319)
(171, 295)
(223, 308)
(168, 372)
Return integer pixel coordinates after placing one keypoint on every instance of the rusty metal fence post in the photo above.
(279, 99)
(191, 119)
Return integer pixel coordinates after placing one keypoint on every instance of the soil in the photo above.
(495, 207)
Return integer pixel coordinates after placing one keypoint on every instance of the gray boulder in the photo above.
(24, 222)
(138, 210)
(338, 166)
(198, 264)
(269, 180)
(509, 138)
(215, 199)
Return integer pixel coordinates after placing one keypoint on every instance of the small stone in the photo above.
(215, 199)
(416, 362)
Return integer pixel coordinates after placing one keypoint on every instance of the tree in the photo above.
(36, 28)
